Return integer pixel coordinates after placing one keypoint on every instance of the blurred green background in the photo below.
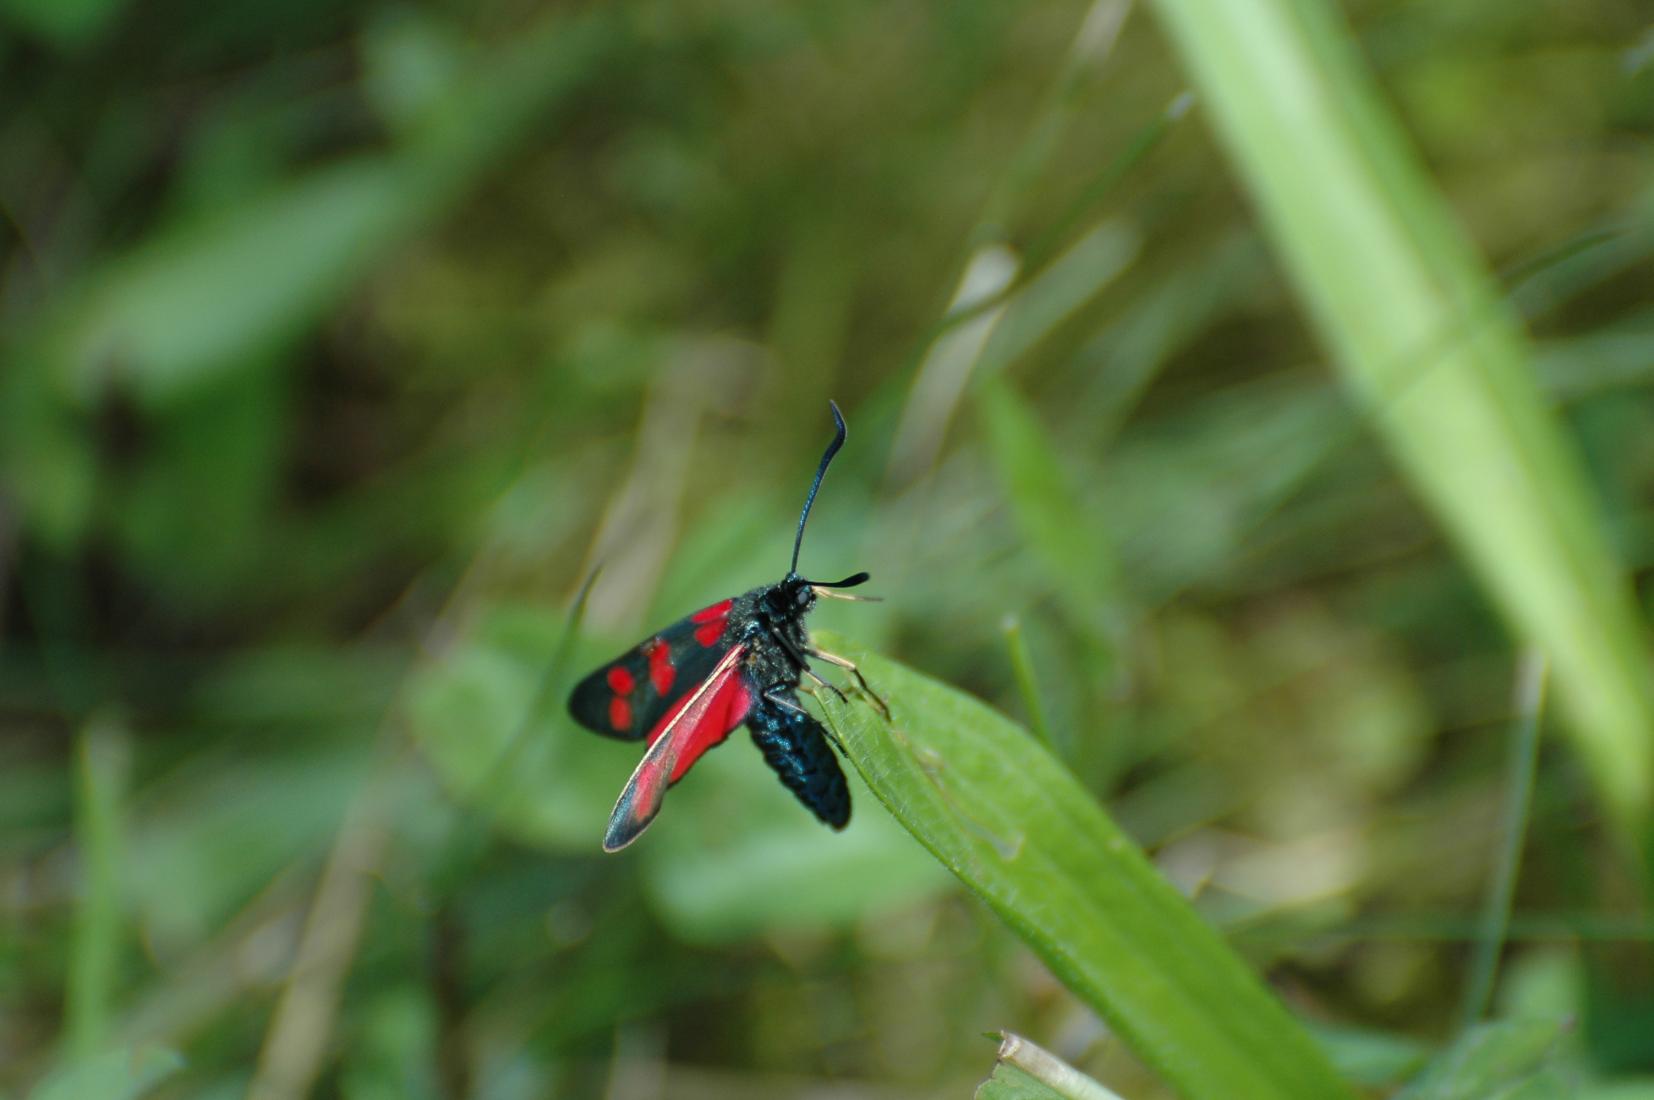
(342, 341)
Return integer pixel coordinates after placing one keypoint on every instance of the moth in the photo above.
(740, 660)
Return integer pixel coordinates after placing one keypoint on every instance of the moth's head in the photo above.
(789, 598)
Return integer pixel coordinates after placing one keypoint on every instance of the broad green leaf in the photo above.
(1010, 1083)
(1502, 1060)
(1420, 332)
(113, 1075)
(1003, 815)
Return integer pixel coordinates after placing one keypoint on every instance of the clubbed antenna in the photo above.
(832, 449)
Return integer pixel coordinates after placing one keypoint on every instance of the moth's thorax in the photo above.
(771, 619)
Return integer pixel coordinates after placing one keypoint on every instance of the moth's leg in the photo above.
(785, 704)
(804, 664)
(828, 684)
(832, 735)
(850, 667)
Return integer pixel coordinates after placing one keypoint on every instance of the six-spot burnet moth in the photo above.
(740, 660)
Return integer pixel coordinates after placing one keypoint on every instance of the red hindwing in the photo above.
(731, 699)
(700, 720)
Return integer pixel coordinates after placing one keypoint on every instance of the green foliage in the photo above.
(1003, 815)
(1060, 531)
(342, 342)
(1010, 1083)
(1504, 1061)
(1373, 1058)
(66, 22)
(100, 796)
(112, 1075)
(1420, 332)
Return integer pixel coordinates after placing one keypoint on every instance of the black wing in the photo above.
(629, 697)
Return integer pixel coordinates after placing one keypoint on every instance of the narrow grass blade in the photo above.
(1421, 333)
(1003, 815)
(1062, 534)
(1093, 44)
(102, 764)
(1022, 667)
(1523, 763)
(1042, 300)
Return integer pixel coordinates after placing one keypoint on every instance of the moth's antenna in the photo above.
(832, 449)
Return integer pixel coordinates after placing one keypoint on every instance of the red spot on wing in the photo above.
(712, 621)
(620, 681)
(661, 672)
(718, 612)
(620, 714)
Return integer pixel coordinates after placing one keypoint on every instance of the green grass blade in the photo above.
(1022, 667)
(100, 784)
(1062, 535)
(1501, 891)
(1004, 816)
(1420, 332)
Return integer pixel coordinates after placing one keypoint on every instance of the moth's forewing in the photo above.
(630, 696)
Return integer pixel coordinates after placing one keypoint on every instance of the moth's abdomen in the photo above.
(795, 746)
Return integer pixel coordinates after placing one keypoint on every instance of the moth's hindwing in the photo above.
(701, 720)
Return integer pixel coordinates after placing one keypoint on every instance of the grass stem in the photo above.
(1521, 765)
